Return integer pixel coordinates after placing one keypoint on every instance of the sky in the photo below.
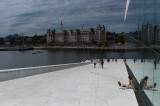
(36, 16)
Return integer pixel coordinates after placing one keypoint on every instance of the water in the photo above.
(21, 59)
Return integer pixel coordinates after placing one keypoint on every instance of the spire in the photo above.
(61, 25)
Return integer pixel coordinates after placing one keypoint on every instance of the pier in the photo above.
(75, 86)
(116, 48)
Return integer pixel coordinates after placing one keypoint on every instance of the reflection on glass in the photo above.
(144, 21)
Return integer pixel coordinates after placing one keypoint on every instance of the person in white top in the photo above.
(94, 62)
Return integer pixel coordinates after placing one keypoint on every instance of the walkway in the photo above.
(80, 86)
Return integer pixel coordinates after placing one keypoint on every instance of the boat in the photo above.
(34, 53)
(24, 48)
(39, 52)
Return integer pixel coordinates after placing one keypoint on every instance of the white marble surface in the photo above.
(79, 86)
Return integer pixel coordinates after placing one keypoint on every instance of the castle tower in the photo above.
(61, 25)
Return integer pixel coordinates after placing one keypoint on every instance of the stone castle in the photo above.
(88, 35)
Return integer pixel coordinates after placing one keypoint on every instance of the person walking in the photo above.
(99, 62)
(102, 62)
(134, 60)
(94, 62)
(108, 60)
(155, 63)
(116, 60)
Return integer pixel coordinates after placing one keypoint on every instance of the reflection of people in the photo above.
(122, 85)
(131, 84)
(143, 83)
(152, 86)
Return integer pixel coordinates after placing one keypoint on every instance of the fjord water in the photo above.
(31, 58)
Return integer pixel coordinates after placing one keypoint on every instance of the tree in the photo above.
(120, 39)
(99, 44)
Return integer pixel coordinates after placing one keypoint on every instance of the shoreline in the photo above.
(117, 48)
(90, 48)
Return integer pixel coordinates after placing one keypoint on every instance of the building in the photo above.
(157, 33)
(17, 42)
(147, 33)
(150, 33)
(110, 38)
(7, 42)
(28, 39)
(1, 41)
(88, 35)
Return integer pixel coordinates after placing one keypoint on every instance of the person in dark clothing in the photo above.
(155, 63)
(116, 60)
(108, 60)
(134, 60)
(141, 60)
(102, 62)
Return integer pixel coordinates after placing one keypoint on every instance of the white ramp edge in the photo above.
(10, 74)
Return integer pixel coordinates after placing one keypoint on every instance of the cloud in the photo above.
(39, 15)
(36, 16)
(142, 12)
